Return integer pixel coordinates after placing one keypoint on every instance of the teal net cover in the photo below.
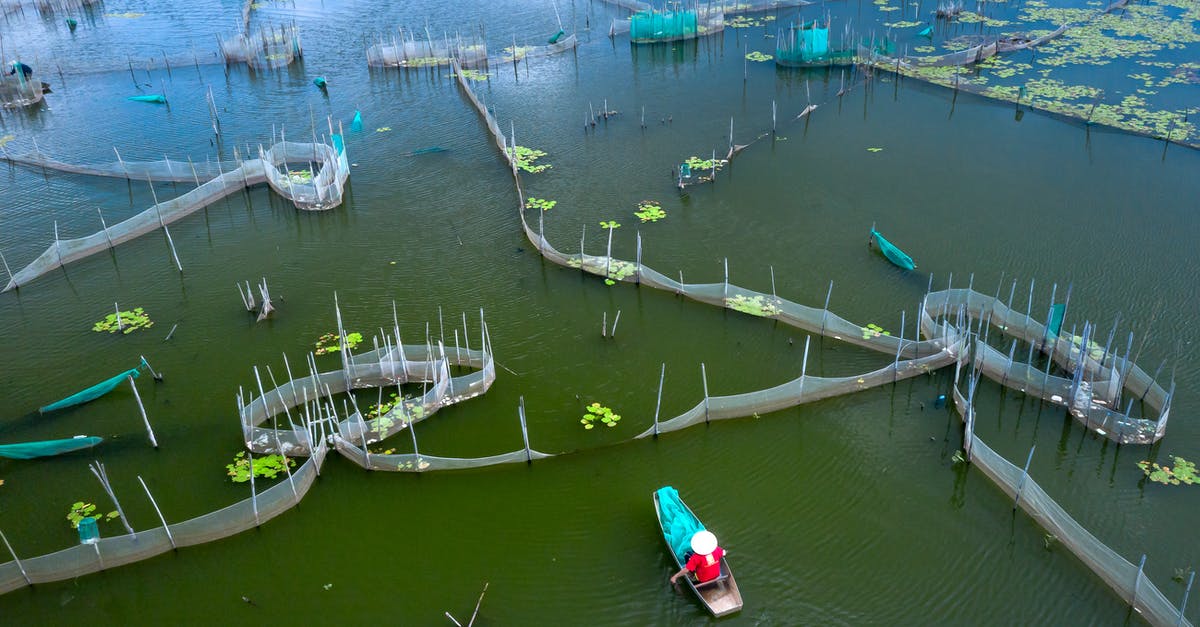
(47, 448)
(678, 524)
(649, 26)
(92, 393)
(816, 41)
(893, 254)
(1056, 318)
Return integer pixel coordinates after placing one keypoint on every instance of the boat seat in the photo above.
(705, 584)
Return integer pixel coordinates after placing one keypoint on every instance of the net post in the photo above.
(524, 430)
(638, 276)
(726, 292)
(97, 469)
(704, 378)
(25, 575)
(6, 268)
(604, 324)
(1182, 604)
(803, 369)
(1137, 581)
(582, 236)
(253, 492)
(145, 419)
(662, 375)
(608, 255)
(617, 319)
(158, 511)
(1024, 475)
(899, 347)
(774, 297)
(103, 226)
(825, 312)
(58, 247)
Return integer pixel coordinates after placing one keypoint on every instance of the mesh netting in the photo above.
(18, 91)
(414, 53)
(306, 189)
(116, 551)
(517, 53)
(663, 26)
(268, 48)
(164, 170)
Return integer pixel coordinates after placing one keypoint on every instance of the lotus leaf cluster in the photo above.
(268, 466)
(873, 330)
(328, 343)
(610, 224)
(129, 321)
(300, 177)
(595, 412)
(759, 57)
(540, 203)
(474, 75)
(1182, 472)
(525, 158)
(650, 211)
(754, 305)
(425, 61)
(81, 510)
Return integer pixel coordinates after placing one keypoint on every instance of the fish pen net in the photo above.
(651, 26)
(319, 191)
(559, 45)
(409, 52)
(114, 551)
(266, 49)
(164, 170)
(18, 91)
(809, 45)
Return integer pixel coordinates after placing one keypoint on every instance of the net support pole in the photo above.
(158, 511)
(582, 236)
(97, 469)
(604, 324)
(637, 280)
(1024, 475)
(122, 162)
(725, 294)
(253, 492)
(146, 420)
(825, 312)
(25, 575)
(803, 369)
(662, 375)
(1182, 604)
(524, 430)
(774, 297)
(704, 378)
(6, 268)
(103, 226)
(608, 254)
(1028, 320)
(1137, 581)
(899, 348)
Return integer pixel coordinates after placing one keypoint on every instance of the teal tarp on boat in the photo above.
(47, 448)
(678, 524)
(1056, 319)
(893, 254)
(92, 393)
(356, 123)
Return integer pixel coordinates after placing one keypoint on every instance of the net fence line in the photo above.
(318, 188)
(114, 551)
(264, 49)
(1090, 395)
(1128, 581)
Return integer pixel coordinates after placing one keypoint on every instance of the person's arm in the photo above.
(682, 571)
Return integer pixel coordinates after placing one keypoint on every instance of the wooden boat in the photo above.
(721, 595)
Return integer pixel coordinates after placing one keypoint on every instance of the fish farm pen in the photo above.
(994, 390)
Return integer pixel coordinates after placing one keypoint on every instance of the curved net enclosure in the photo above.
(318, 187)
(406, 51)
(684, 21)
(18, 91)
(270, 47)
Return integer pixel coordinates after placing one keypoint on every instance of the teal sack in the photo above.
(898, 257)
(92, 393)
(47, 448)
(155, 98)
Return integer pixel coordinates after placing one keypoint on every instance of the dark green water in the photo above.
(848, 511)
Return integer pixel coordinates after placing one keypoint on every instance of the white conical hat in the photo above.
(703, 542)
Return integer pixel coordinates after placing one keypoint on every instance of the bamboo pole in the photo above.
(97, 469)
(25, 575)
(658, 404)
(166, 527)
(145, 419)
(704, 378)
(524, 430)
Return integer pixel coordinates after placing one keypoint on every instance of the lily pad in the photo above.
(650, 211)
(124, 321)
(328, 343)
(267, 466)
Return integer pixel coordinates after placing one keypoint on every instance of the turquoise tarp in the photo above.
(893, 254)
(816, 41)
(92, 393)
(1056, 319)
(356, 123)
(339, 144)
(47, 448)
(678, 524)
(155, 98)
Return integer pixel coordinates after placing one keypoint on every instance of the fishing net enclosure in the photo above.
(406, 51)
(18, 91)
(316, 183)
(650, 26)
(269, 47)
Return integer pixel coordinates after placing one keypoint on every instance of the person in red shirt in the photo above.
(705, 560)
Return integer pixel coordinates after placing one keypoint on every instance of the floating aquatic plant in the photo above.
(130, 321)
(873, 149)
(525, 158)
(610, 224)
(758, 57)
(696, 163)
(650, 211)
(268, 466)
(1183, 472)
(540, 203)
(873, 330)
(755, 305)
(300, 177)
(383, 129)
(328, 343)
(474, 75)
(425, 61)
(81, 510)
(595, 412)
